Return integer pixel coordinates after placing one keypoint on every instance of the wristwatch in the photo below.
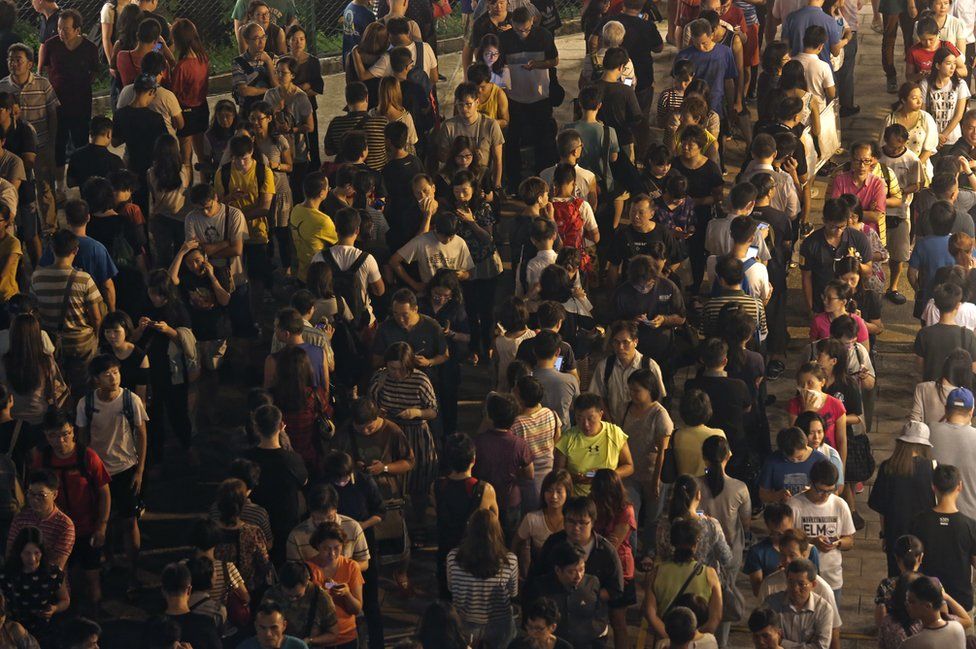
(386, 468)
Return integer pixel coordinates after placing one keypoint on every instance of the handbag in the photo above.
(669, 470)
(441, 8)
(324, 428)
(66, 300)
(58, 389)
(860, 462)
(238, 611)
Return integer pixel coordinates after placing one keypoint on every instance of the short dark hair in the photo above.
(267, 420)
(43, 477)
(521, 16)
(546, 345)
(289, 320)
(347, 222)
(293, 573)
(446, 224)
(175, 579)
(76, 212)
(580, 506)
(567, 554)
(824, 472)
(364, 410)
(103, 363)
(323, 497)
(64, 243)
(543, 609)
(941, 216)
(730, 269)
(614, 58)
(246, 471)
(356, 92)
(836, 211)
(814, 36)
(314, 183)
(945, 478)
(591, 97)
(928, 590)
(696, 408)
(588, 401)
(713, 352)
(798, 566)
(775, 513)
(459, 452)
(681, 624)
(240, 145)
(764, 617)
(100, 125)
(742, 194)
(501, 410)
(790, 440)
(397, 133)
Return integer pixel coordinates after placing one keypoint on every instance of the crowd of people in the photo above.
(368, 253)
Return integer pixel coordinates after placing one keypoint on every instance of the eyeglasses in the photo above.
(822, 492)
(863, 161)
(465, 156)
(618, 342)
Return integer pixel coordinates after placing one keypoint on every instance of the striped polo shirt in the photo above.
(36, 99)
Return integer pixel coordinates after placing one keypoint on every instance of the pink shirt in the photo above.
(832, 410)
(871, 195)
(820, 327)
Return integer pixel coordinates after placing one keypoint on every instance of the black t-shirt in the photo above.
(620, 111)
(210, 320)
(426, 339)
(283, 474)
(818, 257)
(640, 39)
(105, 230)
(156, 344)
(934, 343)
(138, 129)
(628, 242)
(133, 374)
(849, 394)
(701, 181)
(730, 398)
(899, 499)
(397, 176)
(91, 160)
(772, 128)
(950, 545)
(484, 26)
(197, 630)
(526, 352)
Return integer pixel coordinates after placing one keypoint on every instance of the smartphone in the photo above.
(700, 512)
(329, 585)
(762, 225)
(753, 252)
(559, 364)
(157, 47)
(591, 473)
(628, 82)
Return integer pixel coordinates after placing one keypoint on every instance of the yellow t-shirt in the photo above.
(687, 443)
(9, 245)
(311, 231)
(246, 184)
(602, 451)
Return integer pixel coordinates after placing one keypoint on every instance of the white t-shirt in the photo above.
(718, 238)
(757, 275)
(586, 213)
(533, 527)
(533, 269)
(818, 74)
(776, 583)
(941, 103)
(909, 171)
(832, 519)
(164, 102)
(954, 29)
(368, 273)
(585, 180)
(111, 435)
(950, 635)
(965, 316)
(966, 13)
(212, 229)
(382, 67)
(431, 255)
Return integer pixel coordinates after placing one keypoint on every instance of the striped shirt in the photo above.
(37, 98)
(710, 325)
(57, 533)
(219, 588)
(354, 548)
(480, 601)
(373, 125)
(252, 514)
(393, 395)
(538, 430)
(48, 287)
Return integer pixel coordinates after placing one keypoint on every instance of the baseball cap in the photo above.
(960, 398)
(915, 432)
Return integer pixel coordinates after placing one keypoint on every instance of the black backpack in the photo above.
(418, 74)
(344, 285)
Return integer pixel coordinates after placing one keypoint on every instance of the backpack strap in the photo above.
(66, 299)
(419, 58)
(608, 371)
(356, 265)
(225, 178)
(128, 409)
(90, 407)
(14, 437)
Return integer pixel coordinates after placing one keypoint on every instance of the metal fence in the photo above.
(212, 18)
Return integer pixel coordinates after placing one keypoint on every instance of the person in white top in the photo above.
(819, 75)
(164, 101)
(742, 201)
(399, 30)
(569, 144)
(441, 248)
(743, 231)
(345, 253)
(543, 237)
(925, 601)
(951, 27)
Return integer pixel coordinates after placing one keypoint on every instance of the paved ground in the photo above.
(182, 494)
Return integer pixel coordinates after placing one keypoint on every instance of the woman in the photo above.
(539, 525)
(35, 590)
(648, 426)
(665, 580)
(793, 83)
(774, 57)
(445, 303)
(928, 405)
(902, 488)
(811, 379)
(294, 118)
(259, 12)
(12, 634)
(31, 372)
(832, 356)
(812, 424)
(866, 295)
(923, 133)
(705, 185)
(462, 156)
(482, 576)
(726, 500)
(341, 578)
(391, 107)
(476, 225)
(126, 24)
(190, 81)
(616, 522)
(114, 337)
(240, 542)
(302, 403)
(406, 396)
(224, 125)
(374, 44)
(492, 100)
(945, 95)
(836, 300)
(308, 77)
(489, 52)
(227, 579)
(279, 158)
(169, 178)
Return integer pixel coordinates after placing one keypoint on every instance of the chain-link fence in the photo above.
(322, 18)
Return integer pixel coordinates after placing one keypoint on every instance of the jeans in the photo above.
(496, 634)
(845, 76)
(891, 24)
(647, 512)
(73, 128)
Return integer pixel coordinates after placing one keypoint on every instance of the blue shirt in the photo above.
(714, 68)
(355, 18)
(796, 25)
(929, 255)
(290, 642)
(93, 258)
(779, 472)
(763, 556)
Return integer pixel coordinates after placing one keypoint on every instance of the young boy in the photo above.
(311, 229)
(786, 473)
(670, 102)
(919, 57)
(543, 237)
(906, 167)
(112, 422)
(742, 201)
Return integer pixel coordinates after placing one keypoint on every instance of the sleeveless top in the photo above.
(671, 576)
(456, 501)
(489, 107)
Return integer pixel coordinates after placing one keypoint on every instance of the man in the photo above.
(303, 302)
(149, 11)
(819, 250)
(569, 145)
(610, 374)
(311, 229)
(425, 60)
(57, 530)
(954, 442)
(730, 274)
(217, 228)
(763, 151)
(949, 536)
(620, 110)
(965, 150)
(424, 335)
(766, 628)
(39, 106)
(355, 18)
(826, 518)
(730, 397)
(289, 332)
(306, 607)
(84, 495)
(323, 507)
(638, 239)
(80, 633)
(934, 343)
(602, 561)
(253, 72)
(94, 158)
(269, 630)
(432, 251)
(583, 617)
(377, 446)
(641, 40)
(75, 321)
(550, 316)
(485, 133)
(344, 257)
(807, 619)
(597, 154)
(284, 13)
(870, 190)
(944, 187)
(786, 473)
(715, 64)
(818, 74)
(71, 61)
(926, 599)
(767, 556)
(356, 118)
(195, 629)
(559, 388)
(755, 281)
(654, 302)
(93, 257)
(531, 53)
(47, 20)
(163, 101)
(796, 23)
(283, 474)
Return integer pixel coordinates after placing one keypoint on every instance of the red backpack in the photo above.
(569, 222)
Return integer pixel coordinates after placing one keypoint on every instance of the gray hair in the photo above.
(612, 34)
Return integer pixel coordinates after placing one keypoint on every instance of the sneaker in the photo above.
(858, 521)
(892, 85)
(895, 297)
(775, 369)
(850, 111)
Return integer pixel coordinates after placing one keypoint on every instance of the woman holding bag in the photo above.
(31, 372)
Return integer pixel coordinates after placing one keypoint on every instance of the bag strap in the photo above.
(605, 158)
(608, 371)
(66, 299)
(15, 437)
(356, 265)
(697, 570)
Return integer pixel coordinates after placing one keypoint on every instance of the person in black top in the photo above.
(400, 169)
(47, 21)
(138, 126)
(620, 110)
(781, 235)
(94, 159)
(494, 21)
(639, 237)
(195, 629)
(655, 302)
(549, 316)
(827, 245)
(640, 40)
(283, 474)
(730, 398)
(542, 618)
(787, 120)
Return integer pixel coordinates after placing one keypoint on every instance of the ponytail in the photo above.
(684, 492)
(715, 450)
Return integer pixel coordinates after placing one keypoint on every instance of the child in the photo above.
(543, 237)
(921, 55)
(945, 96)
(813, 425)
(534, 192)
(574, 217)
(513, 321)
(670, 102)
(674, 210)
(540, 428)
(694, 110)
(742, 201)
(810, 381)
(908, 170)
